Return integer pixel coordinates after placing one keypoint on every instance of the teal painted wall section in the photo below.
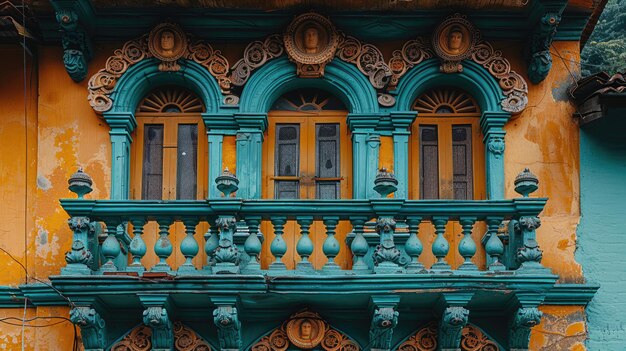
(601, 232)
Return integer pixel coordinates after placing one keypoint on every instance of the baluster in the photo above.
(305, 245)
(278, 248)
(413, 246)
(110, 247)
(467, 246)
(137, 245)
(440, 245)
(253, 245)
(163, 246)
(331, 245)
(494, 246)
(359, 245)
(211, 242)
(189, 246)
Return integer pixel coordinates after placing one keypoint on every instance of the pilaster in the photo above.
(249, 157)
(401, 122)
(492, 124)
(215, 140)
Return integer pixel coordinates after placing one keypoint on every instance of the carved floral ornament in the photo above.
(139, 339)
(305, 330)
(472, 339)
(311, 42)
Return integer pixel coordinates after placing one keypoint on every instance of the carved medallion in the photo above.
(311, 41)
(167, 42)
(453, 41)
(305, 330)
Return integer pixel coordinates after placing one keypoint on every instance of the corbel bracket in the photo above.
(156, 317)
(384, 320)
(76, 42)
(227, 322)
(524, 316)
(92, 325)
(538, 52)
(454, 317)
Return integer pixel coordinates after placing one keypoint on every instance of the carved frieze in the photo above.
(167, 43)
(472, 339)
(139, 339)
(305, 330)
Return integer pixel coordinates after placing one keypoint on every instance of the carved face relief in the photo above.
(167, 42)
(453, 41)
(305, 333)
(311, 42)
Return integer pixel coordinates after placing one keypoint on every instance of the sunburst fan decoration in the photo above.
(445, 100)
(308, 100)
(171, 99)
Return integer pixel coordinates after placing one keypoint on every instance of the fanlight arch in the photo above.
(290, 335)
(472, 339)
(139, 339)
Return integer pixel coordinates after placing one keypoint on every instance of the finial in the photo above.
(385, 183)
(80, 183)
(526, 183)
(227, 182)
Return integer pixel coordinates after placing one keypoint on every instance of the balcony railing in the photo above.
(384, 238)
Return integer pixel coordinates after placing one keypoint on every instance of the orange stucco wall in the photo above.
(60, 132)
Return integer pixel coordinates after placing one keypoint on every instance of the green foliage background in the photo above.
(606, 48)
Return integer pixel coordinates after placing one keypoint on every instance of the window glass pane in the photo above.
(429, 162)
(287, 160)
(462, 162)
(327, 161)
(187, 162)
(152, 172)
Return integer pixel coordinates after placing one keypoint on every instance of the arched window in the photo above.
(307, 148)
(447, 149)
(169, 146)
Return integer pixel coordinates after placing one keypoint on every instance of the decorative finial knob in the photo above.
(227, 182)
(526, 183)
(385, 183)
(80, 183)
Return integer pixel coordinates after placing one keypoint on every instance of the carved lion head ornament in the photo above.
(311, 41)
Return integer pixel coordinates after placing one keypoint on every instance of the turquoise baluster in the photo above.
(413, 246)
(305, 244)
(494, 246)
(189, 246)
(278, 248)
(331, 245)
(253, 245)
(137, 245)
(110, 247)
(211, 242)
(440, 245)
(467, 246)
(163, 246)
(359, 245)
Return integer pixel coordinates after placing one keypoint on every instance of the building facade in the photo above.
(309, 175)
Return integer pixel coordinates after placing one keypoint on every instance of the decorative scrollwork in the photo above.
(413, 53)
(283, 338)
(367, 58)
(156, 44)
(255, 55)
(139, 339)
(472, 339)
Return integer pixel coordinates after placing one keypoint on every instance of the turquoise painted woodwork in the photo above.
(75, 17)
(189, 246)
(545, 29)
(92, 327)
(305, 246)
(519, 333)
(454, 316)
(157, 317)
(163, 245)
(401, 162)
(249, 166)
(215, 140)
(278, 76)
(137, 246)
(384, 320)
(487, 92)
(467, 246)
(227, 321)
(80, 258)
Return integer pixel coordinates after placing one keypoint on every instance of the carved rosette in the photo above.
(138, 339)
(472, 339)
(167, 43)
(305, 330)
(310, 41)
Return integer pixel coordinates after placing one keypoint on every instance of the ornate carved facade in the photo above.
(139, 339)
(472, 339)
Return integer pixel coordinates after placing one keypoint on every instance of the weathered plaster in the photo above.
(561, 328)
